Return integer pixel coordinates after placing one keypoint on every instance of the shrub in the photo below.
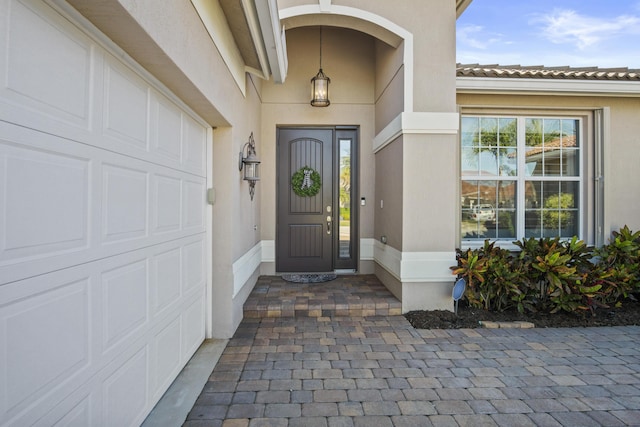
(550, 274)
(619, 263)
(472, 267)
(490, 279)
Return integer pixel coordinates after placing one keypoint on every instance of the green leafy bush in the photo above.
(619, 263)
(551, 274)
(490, 279)
(472, 267)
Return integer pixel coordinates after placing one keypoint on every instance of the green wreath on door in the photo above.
(306, 182)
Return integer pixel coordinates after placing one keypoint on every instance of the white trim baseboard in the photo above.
(388, 258)
(413, 267)
(245, 266)
(268, 250)
(404, 266)
(427, 266)
(367, 249)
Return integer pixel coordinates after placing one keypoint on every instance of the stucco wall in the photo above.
(389, 88)
(245, 213)
(622, 171)
(622, 145)
(430, 189)
(347, 59)
(389, 189)
(432, 26)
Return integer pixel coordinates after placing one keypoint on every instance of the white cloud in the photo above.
(474, 36)
(567, 26)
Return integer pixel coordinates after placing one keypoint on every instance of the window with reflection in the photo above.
(344, 245)
(520, 177)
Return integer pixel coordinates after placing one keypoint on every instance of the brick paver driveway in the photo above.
(379, 371)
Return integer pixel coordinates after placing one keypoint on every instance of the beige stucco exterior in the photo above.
(392, 73)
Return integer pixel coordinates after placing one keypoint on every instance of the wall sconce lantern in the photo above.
(320, 85)
(250, 164)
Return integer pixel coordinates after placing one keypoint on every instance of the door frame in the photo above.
(339, 265)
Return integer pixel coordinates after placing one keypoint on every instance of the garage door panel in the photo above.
(134, 293)
(57, 79)
(193, 266)
(124, 301)
(167, 357)
(125, 392)
(44, 201)
(78, 416)
(125, 202)
(193, 192)
(90, 319)
(167, 134)
(52, 321)
(192, 327)
(194, 137)
(50, 219)
(126, 101)
(167, 213)
(166, 275)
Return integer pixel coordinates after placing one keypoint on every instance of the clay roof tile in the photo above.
(542, 72)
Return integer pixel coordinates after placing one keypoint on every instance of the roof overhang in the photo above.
(461, 5)
(248, 35)
(493, 85)
(273, 36)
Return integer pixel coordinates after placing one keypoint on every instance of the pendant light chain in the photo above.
(321, 48)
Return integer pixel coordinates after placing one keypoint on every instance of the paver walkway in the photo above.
(379, 371)
(352, 296)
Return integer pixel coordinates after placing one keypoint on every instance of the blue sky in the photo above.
(577, 33)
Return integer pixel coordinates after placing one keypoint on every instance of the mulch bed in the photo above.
(627, 314)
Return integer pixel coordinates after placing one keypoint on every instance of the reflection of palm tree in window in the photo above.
(533, 133)
(345, 181)
(493, 150)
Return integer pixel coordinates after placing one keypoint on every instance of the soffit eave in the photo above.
(492, 85)
(248, 35)
(273, 39)
(461, 5)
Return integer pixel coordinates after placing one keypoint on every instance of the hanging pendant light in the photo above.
(320, 85)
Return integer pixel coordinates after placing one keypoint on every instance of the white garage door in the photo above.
(102, 228)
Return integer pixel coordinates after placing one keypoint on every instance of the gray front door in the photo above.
(305, 226)
(317, 232)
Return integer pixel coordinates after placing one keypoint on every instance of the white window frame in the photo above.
(522, 178)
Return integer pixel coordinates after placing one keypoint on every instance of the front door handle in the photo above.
(328, 224)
